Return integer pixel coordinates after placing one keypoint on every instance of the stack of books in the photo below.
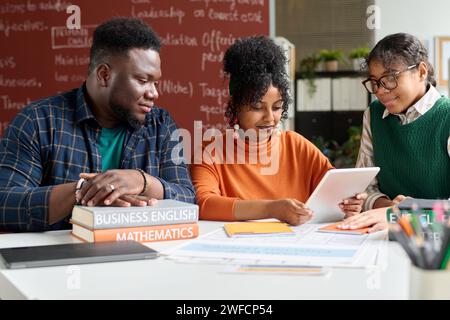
(167, 220)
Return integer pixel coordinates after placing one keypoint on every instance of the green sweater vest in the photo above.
(413, 158)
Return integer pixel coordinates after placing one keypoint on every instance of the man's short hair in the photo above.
(117, 36)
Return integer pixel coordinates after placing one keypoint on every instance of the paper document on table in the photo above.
(307, 247)
(276, 269)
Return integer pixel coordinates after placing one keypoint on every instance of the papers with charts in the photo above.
(307, 247)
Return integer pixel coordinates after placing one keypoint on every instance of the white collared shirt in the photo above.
(365, 156)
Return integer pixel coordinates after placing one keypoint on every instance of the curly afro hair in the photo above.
(253, 64)
(117, 36)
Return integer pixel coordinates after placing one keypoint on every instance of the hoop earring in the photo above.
(277, 130)
(235, 133)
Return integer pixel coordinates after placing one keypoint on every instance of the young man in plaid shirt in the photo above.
(105, 143)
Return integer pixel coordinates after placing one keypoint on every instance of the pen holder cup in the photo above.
(429, 284)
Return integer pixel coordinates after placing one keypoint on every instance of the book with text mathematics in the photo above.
(139, 234)
(164, 212)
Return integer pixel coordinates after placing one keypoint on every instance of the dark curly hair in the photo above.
(117, 36)
(253, 64)
(401, 48)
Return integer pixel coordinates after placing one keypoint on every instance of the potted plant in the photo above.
(357, 56)
(308, 68)
(347, 153)
(341, 155)
(327, 147)
(331, 59)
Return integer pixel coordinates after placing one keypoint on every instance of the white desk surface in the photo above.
(170, 280)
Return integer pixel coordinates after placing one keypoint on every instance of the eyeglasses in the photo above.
(389, 81)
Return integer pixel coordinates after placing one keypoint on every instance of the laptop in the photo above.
(75, 253)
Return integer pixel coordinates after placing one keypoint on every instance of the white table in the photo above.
(166, 279)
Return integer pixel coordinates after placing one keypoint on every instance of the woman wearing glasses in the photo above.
(405, 131)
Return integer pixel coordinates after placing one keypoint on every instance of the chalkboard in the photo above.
(40, 55)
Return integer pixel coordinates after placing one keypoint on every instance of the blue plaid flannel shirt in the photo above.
(53, 140)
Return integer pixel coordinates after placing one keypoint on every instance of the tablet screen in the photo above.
(335, 186)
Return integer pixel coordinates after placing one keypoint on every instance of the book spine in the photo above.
(148, 234)
(141, 218)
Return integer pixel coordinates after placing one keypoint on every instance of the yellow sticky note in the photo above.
(244, 229)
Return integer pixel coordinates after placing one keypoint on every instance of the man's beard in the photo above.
(124, 115)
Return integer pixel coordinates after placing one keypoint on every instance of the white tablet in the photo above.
(335, 186)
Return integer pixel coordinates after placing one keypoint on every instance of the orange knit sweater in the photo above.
(219, 185)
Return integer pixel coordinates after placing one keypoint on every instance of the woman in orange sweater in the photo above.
(257, 171)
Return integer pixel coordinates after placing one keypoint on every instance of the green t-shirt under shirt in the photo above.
(110, 147)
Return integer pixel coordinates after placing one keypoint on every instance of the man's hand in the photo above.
(133, 200)
(114, 187)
